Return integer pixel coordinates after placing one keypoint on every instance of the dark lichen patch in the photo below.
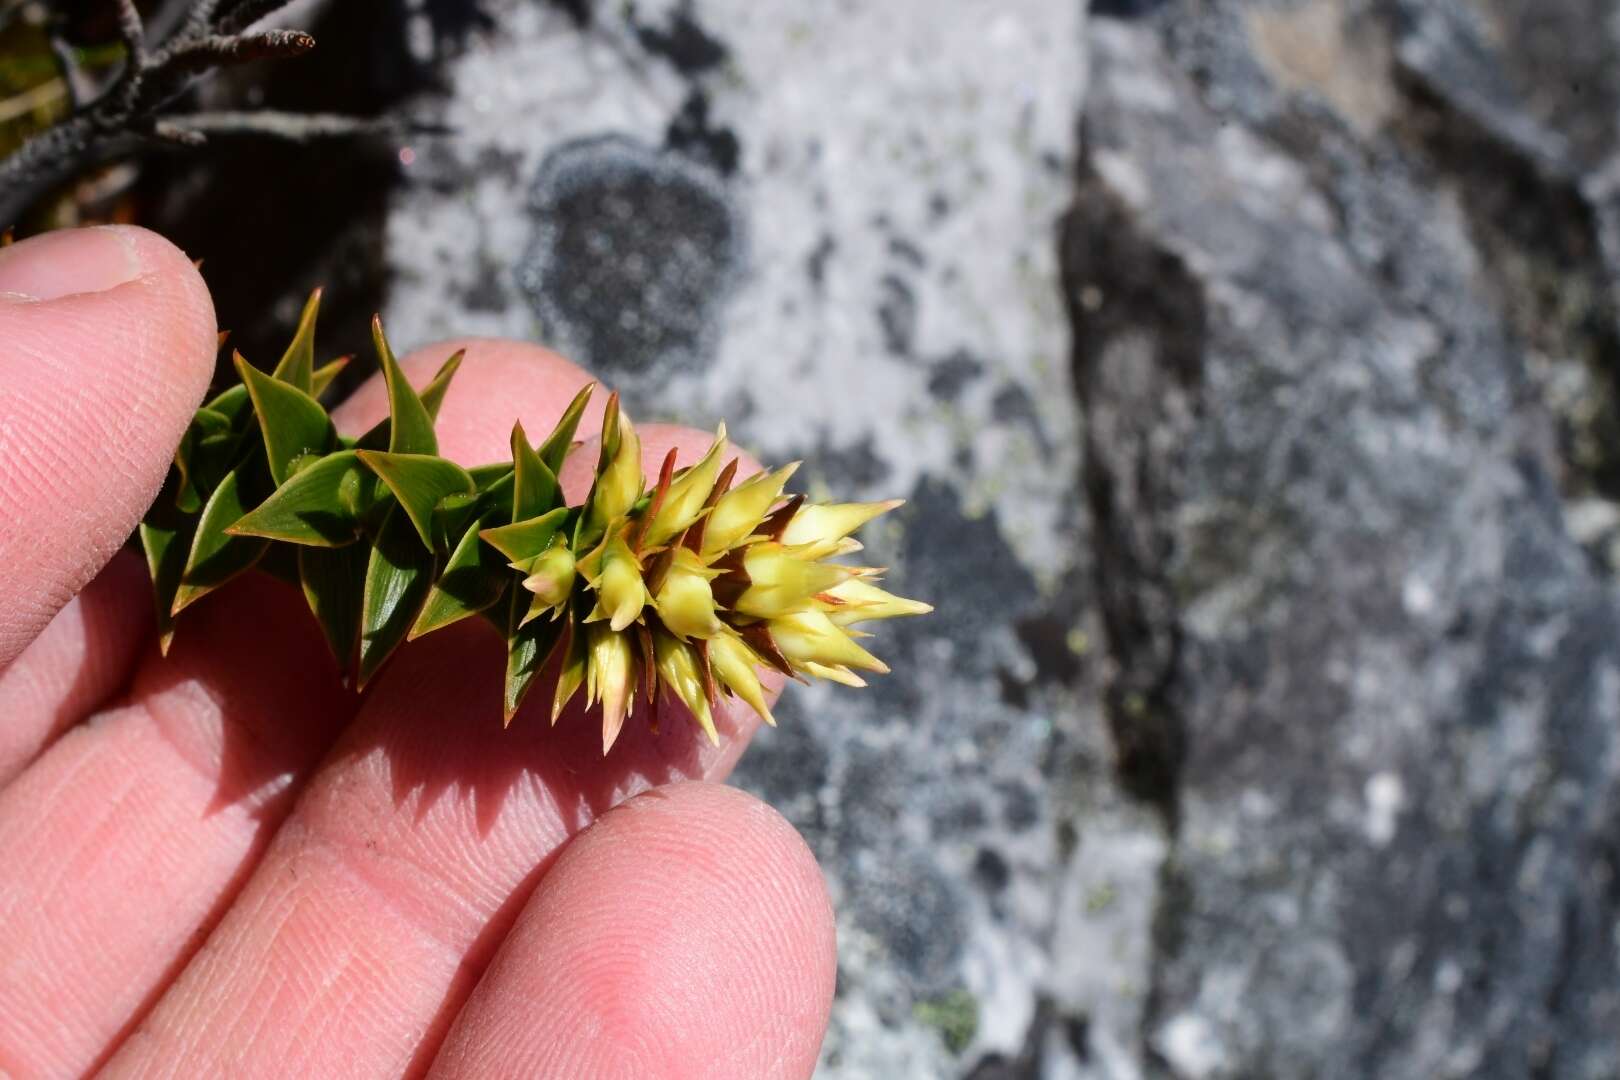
(681, 40)
(582, 12)
(633, 252)
(851, 467)
(990, 870)
(952, 373)
(907, 252)
(910, 906)
(1013, 405)
(1048, 637)
(897, 314)
(815, 264)
(965, 568)
(692, 133)
(1125, 9)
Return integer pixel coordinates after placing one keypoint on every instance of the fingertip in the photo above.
(687, 932)
(109, 347)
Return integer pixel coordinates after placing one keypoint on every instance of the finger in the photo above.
(124, 841)
(123, 844)
(409, 853)
(106, 347)
(687, 933)
(81, 659)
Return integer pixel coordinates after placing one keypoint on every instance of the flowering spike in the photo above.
(685, 598)
(833, 521)
(687, 495)
(551, 578)
(620, 591)
(740, 511)
(618, 479)
(678, 672)
(834, 673)
(679, 593)
(784, 579)
(733, 664)
(610, 678)
(809, 636)
(856, 601)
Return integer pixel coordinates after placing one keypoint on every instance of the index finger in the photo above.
(416, 842)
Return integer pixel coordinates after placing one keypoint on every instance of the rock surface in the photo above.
(1376, 671)
(1250, 369)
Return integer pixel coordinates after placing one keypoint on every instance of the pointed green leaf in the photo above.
(334, 587)
(293, 423)
(562, 436)
(216, 556)
(321, 506)
(525, 539)
(297, 367)
(208, 421)
(419, 482)
(433, 393)
(487, 476)
(410, 425)
(497, 497)
(233, 404)
(204, 424)
(527, 650)
(166, 536)
(473, 579)
(451, 518)
(379, 435)
(534, 489)
(326, 373)
(398, 578)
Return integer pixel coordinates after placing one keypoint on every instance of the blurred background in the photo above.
(1250, 370)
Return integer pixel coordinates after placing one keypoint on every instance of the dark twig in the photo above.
(80, 87)
(290, 127)
(132, 32)
(133, 113)
(245, 13)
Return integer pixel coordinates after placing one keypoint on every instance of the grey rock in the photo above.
(1370, 672)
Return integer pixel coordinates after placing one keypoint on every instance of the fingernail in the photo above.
(70, 261)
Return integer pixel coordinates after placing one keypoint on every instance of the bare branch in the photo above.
(197, 36)
(80, 88)
(132, 32)
(297, 127)
(247, 12)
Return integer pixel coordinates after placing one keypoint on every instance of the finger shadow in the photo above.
(249, 662)
(443, 737)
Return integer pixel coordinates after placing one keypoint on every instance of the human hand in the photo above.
(224, 863)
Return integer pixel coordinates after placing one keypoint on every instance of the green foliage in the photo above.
(955, 1015)
(389, 541)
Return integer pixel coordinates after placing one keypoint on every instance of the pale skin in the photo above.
(224, 863)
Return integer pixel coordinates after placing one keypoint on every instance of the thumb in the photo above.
(107, 344)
